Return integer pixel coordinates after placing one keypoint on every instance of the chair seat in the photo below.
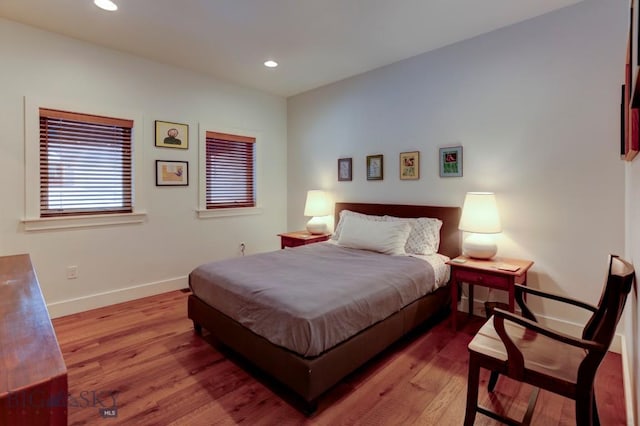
(540, 352)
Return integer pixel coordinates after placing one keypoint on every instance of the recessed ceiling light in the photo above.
(106, 5)
(270, 64)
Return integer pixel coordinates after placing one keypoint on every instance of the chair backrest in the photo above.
(601, 326)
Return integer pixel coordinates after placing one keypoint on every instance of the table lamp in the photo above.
(317, 205)
(481, 219)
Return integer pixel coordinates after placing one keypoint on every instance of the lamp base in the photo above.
(317, 226)
(479, 246)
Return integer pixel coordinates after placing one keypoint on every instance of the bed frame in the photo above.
(309, 378)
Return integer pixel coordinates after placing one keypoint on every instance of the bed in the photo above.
(314, 366)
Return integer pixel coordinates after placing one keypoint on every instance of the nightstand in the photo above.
(500, 273)
(300, 238)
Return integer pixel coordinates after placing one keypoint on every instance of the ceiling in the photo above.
(316, 42)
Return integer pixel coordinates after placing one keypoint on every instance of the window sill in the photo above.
(51, 223)
(242, 211)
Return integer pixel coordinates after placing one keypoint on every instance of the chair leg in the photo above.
(472, 390)
(493, 380)
(585, 407)
(594, 408)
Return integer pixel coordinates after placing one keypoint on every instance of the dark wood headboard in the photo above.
(450, 238)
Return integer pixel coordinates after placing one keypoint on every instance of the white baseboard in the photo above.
(85, 303)
(626, 380)
(563, 326)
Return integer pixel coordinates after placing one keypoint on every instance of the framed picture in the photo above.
(172, 173)
(631, 103)
(627, 99)
(172, 135)
(374, 167)
(451, 161)
(410, 165)
(623, 120)
(344, 169)
(634, 31)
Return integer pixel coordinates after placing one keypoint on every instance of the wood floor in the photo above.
(145, 356)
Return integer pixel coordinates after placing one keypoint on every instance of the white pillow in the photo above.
(345, 213)
(424, 237)
(383, 237)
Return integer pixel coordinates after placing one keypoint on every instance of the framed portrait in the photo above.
(375, 167)
(344, 169)
(172, 135)
(410, 165)
(451, 161)
(172, 173)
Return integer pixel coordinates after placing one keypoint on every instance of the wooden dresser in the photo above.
(33, 376)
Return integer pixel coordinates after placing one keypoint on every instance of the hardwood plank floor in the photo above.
(144, 356)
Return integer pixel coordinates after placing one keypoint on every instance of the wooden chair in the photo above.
(522, 349)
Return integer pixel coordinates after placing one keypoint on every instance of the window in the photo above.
(230, 171)
(85, 164)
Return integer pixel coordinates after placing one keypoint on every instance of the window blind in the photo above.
(85, 164)
(230, 174)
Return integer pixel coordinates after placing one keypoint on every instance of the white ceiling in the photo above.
(316, 42)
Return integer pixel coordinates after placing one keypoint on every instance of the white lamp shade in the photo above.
(106, 5)
(317, 204)
(480, 213)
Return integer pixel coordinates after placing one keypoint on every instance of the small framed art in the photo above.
(451, 161)
(344, 169)
(375, 167)
(410, 165)
(172, 135)
(172, 173)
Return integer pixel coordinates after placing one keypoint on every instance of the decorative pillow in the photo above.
(424, 237)
(345, 213)
(383, 237)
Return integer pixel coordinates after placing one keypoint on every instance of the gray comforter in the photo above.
(310, 298)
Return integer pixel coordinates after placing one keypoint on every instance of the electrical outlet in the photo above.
(72, 272)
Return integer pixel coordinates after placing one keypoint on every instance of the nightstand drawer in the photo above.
(482, 278)
(293, 242)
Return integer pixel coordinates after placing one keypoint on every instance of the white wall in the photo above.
(536, 108)
(631, 318)
(122, 262)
